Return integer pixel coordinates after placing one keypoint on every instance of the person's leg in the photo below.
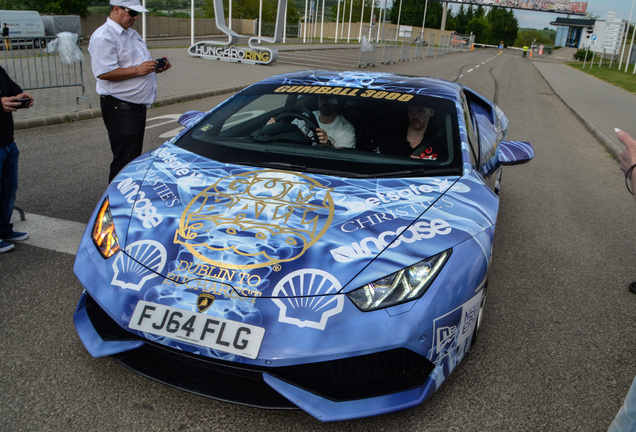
(8, 186)
(626, 418)
(126, 129)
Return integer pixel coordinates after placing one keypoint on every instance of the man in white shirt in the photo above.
(126, 80)
(333, 129)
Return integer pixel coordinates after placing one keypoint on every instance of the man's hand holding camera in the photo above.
(14, 103)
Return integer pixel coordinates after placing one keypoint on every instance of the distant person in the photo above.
(501, 47)
(10, 92)
(5, 36)
(525, 52)
(126, 80)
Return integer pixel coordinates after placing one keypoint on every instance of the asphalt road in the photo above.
(556, 350)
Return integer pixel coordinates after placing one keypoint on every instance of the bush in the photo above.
(579, 55)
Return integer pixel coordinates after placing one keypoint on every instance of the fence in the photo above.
(29, 63)
(367, 48)
(400, 48)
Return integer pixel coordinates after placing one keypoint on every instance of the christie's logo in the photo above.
(256, 219)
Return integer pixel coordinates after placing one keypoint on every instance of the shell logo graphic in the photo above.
(306, 298)
(256, 219)
(142, 261)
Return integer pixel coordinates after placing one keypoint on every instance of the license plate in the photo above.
(198, 329)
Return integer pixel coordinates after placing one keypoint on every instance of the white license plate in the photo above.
(198, 329)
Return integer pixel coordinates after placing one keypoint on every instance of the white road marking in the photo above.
(50, 233)
(171, 119)
(62, 235)
(171, 133)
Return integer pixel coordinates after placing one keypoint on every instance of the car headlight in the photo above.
(104, 235)
(405, 285)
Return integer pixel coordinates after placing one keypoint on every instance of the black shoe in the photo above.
(632, 287)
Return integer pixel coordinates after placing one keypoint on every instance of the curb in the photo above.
(610, 145)
(96, 112)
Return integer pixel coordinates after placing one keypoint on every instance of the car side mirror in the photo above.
(189, 118)
(509, 153)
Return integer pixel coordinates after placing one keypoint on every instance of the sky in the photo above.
(540, 20)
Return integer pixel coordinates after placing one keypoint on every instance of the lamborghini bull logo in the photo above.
(256, 219)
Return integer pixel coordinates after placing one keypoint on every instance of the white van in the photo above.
(25, 27)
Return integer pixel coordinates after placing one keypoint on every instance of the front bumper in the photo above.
(333, 390)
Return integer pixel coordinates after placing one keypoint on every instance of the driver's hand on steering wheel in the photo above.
(270, 121)
(323, 138)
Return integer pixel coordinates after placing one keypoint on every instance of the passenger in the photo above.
(420, 139)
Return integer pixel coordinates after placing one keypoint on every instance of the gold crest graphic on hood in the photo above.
(256, 219)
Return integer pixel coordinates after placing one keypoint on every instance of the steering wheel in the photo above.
(305, 115)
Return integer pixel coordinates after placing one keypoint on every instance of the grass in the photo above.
(620, 78)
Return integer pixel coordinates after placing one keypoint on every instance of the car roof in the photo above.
(425, 86)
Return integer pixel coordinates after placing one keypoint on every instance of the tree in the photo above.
(527, 36)
(503, 26)
(462, 18)
(413, 13)
(248, 9)
(57, 7)
(480, 28)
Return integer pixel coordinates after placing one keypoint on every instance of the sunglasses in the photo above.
(131, 12)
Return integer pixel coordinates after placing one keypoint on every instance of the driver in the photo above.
(333, 129)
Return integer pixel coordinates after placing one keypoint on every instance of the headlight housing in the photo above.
(405, 285)
(104, 235)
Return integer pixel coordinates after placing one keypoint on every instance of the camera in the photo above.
(24, 103)
(161, 62)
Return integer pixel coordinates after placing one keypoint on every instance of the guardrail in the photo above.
(30, 65)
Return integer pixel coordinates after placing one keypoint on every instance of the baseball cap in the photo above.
(130, 4)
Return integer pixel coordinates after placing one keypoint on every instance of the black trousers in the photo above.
(125, 123)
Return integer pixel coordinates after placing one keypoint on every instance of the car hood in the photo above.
(253, 229)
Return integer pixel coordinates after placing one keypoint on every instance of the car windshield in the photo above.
(275, 126)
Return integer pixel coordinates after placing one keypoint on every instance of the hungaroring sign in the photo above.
(557, 6)
(229, 51)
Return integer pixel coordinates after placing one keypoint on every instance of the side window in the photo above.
(253, 110)
(473, 141)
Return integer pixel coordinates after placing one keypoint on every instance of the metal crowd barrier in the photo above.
(28, 63)
(367, 47)
(396, 48)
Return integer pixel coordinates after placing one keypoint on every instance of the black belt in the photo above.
(122, 103)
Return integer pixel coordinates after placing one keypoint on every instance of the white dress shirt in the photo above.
(112, 47)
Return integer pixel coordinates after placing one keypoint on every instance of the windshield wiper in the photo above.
(430, 172)
(282, 165)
